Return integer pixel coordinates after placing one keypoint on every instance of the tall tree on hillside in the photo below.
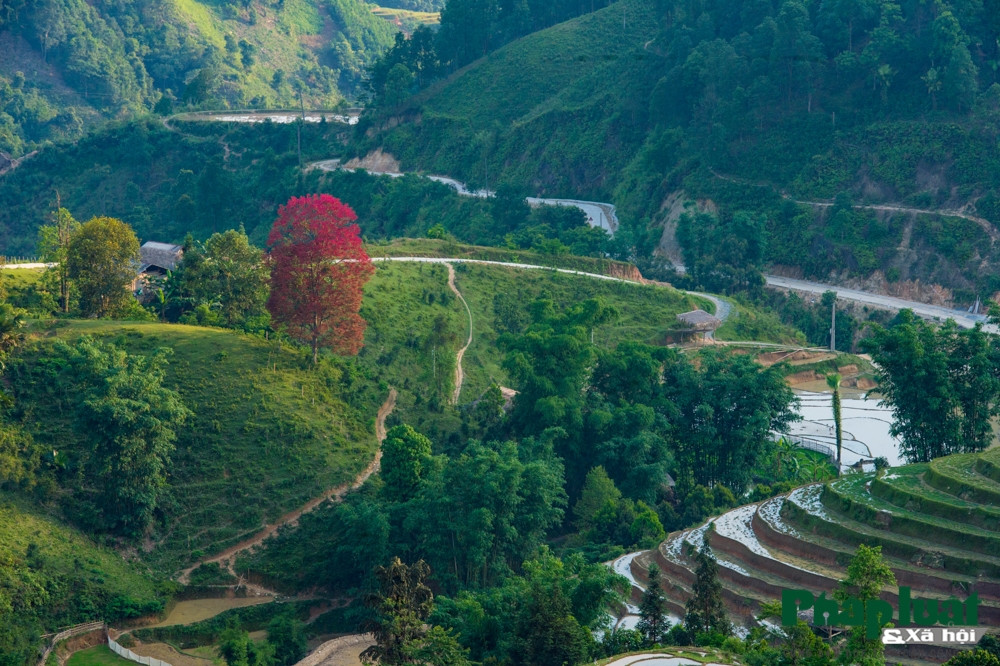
(405, 452)
(867, 574)
(403, 603)
(132, 420)
(941, 383)
(103, 260)
(833, 381)
(653, 621)
(53, 246)
(318, 271)
(706, 611)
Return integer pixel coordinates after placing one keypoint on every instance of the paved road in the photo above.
(598, 214)
(282, 117)
(961, 317)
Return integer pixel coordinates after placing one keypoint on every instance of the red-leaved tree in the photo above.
(318, 271)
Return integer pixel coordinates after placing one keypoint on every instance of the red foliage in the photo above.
(318, 271)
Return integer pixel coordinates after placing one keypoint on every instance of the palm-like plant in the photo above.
(833, 381)
(786, 454)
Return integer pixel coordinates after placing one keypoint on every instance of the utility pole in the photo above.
(301, 106)
(833, 327)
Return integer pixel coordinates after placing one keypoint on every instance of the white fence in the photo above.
(809, 443)
(128, 654)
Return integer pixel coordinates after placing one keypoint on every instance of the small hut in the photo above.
(155, 260)
(699, 322)
(158, 258)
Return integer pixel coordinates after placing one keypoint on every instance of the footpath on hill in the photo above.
(292, 518)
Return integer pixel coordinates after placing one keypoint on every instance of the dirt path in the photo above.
(459, 373)
(292, 518)
(986, 225)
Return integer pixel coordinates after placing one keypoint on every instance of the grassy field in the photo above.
(406, 19)
(268, 433)
(66, 554)
(99, 655)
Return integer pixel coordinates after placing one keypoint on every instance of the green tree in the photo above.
(973, 658)
(479, 515)
(287, 635)
(653, 622)
(867, 574)
(11, 322)
(132, 419)
(238, 649)
(549, 362)
(706, 611)
(833, 381)
(598, 491)
(227, 271)
(940, 383)
(53, 246)
(438, 647)
(103, 261)
(549, 632)
(405, 453)
(402, 604)
(18, 457)
(802, 647)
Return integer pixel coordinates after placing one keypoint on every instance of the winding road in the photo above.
(598, 214)
(603, 215)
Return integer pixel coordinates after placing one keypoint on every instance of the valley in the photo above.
(480, 333)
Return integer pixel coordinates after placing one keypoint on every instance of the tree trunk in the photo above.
(315, 351)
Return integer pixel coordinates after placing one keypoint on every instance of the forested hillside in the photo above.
(648, 103)
(68, 63)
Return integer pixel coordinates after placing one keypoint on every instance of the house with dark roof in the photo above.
(156, 259)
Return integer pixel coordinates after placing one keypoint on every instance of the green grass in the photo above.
(100, 655)
(749, 324)
(257, 447)
(406, 18)
(68, 554)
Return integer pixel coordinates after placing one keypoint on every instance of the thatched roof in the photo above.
(160, 255)
(699, 320)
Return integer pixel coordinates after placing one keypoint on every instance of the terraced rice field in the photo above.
(938, 525)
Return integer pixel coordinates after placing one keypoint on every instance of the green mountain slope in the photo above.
(116, 58)
(54, 576)
(647, 103)
(267, 434)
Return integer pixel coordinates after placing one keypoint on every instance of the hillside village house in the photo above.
(156, 260)
(699, 321)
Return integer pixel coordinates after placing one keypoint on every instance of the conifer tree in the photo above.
(705, 610)
(653, 609)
